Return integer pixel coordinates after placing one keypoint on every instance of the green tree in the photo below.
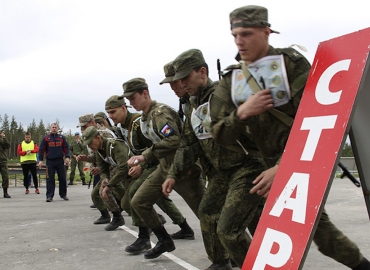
(347, 150)
(5, 125)
(41, 132)
(13, 138)
(32, 128)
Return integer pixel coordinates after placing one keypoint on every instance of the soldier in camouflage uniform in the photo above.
(77, 148)
(110, 152)
(162, 125)
(129, 124)
(237, 120)
(87, 120)
(101, 120)
(191, 185)
(103, 123)
(227, 207)
(4, 145)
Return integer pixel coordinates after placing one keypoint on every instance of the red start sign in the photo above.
(309, 161)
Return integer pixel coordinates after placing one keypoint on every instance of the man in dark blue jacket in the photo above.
(55, 148)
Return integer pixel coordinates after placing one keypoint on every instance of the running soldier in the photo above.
(240, 112)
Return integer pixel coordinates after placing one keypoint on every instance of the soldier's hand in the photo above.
(104, 182)
(168, 185)
(263, 182)
(81, 158)
(95, 170)
(135, 171)
(104, 193)
(135, 160)
(255, 104)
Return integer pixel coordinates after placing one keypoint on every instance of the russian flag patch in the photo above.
(167, 130)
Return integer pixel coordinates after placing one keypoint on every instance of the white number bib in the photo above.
(270, 73)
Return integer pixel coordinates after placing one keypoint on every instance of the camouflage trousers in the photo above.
(227, 209)
(191, 188)
(115, 195)
(98, 201)
(147, 191)
(4, 175)
(80, 166)
(334, 244)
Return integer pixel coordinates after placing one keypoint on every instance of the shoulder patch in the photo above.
(157, 111)
(290, 52)
(167, 130)
(231, 67)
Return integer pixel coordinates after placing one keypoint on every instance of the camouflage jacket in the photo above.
(210, 154)
(267, 132)
(137, 142)
(4, 145)
(165, 124)
(77, 148)
(114, 153)
(105, 132)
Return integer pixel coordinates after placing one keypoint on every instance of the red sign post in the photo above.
(311, 156)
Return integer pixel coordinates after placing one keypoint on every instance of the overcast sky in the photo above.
(62, 59)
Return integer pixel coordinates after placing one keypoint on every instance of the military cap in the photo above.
(100, 115)
(84, 119)
(115, 101)
(250, 16)
(186, 62)
(89, 134)
(132, 86)
(77, 133)
(169, 72)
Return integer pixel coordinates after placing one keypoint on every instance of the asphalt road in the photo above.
(35, 234)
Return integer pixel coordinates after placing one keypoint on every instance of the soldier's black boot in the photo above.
(104, 219)
(364, 265)
(6, 195)
(84, 182)
(185, 233)
(141, 244)
(117, 221)
(70, 182)
(164, 244)
(220, 266)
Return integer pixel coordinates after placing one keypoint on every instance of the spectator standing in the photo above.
(27, 151)
(54, 147)
(4, 145)
(77, 148)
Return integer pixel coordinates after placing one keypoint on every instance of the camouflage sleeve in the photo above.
(120, 156)
(187, 154)
(92, 158)
(4, 143)
(226, 126)
(168, 127)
